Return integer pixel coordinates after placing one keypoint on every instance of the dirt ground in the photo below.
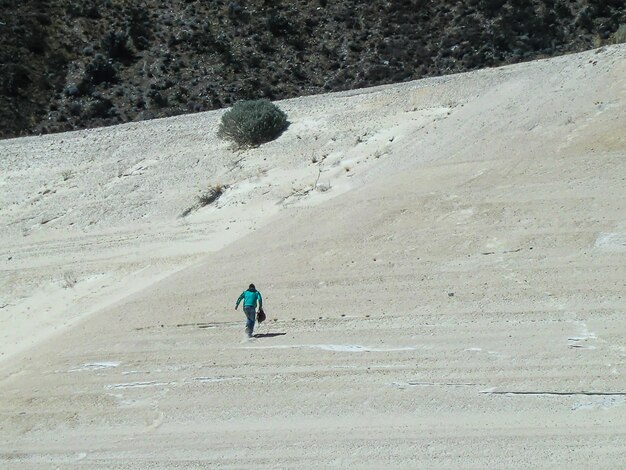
(443, 265)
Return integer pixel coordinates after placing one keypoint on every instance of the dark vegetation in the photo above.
(251, 123)
(210, 195)
(71, 64)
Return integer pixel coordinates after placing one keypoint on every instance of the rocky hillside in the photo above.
(72, 64)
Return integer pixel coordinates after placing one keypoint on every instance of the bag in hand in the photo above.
(260, 316)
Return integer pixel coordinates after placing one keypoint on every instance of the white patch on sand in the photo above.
(215, 379)
(611, 241)
(96, 366)
(158, 421)
(357, 348)
(404, 385)
(583, 335)
(602, 403)
(491, 353)
(140, 385)
(352, 348)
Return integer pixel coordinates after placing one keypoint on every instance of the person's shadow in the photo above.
(268, 335)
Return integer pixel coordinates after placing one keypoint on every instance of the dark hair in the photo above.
(251, 287)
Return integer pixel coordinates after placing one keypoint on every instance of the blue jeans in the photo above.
(251, 315)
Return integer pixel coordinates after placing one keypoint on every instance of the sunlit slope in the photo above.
(457, 302)
(514, 203)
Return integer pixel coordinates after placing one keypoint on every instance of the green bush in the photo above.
(251, 123)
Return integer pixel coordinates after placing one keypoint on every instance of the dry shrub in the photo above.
(251, 123)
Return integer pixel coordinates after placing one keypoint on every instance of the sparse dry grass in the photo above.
(210, 195)
(206, 198)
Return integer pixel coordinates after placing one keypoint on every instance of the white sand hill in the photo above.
(443, 264)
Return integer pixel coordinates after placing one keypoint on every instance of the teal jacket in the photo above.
(250, 299)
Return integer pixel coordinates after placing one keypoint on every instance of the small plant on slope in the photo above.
(210, 195)
(204, 199)
(251, 123)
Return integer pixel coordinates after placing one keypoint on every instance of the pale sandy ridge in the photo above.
(455, 299)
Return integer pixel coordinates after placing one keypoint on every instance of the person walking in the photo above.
(250, 298)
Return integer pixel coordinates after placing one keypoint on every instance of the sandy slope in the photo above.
(443, 264)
